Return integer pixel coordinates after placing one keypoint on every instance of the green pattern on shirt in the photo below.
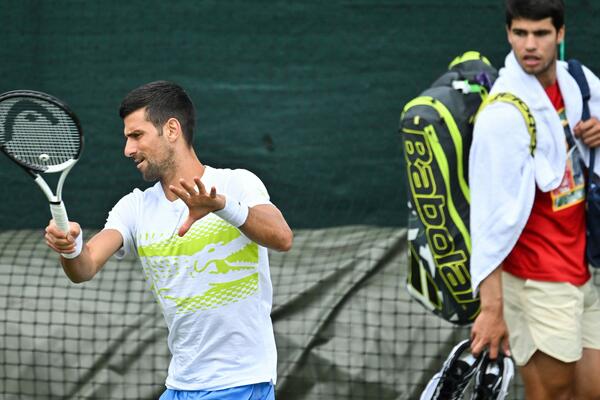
(247, 255)
(166, 259)
(219, 294)
(200, 235)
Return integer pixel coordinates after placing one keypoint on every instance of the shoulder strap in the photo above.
(577, 73)
(523, 109)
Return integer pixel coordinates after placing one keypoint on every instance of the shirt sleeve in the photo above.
(122, 219)
(248, 188)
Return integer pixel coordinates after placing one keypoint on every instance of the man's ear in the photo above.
(508, 34)
(172, 129)
(560, 35)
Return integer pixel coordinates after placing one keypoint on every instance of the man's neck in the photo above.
(548, 77)
(186, 168)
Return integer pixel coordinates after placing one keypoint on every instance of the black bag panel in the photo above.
(593, 222)
(436, 129)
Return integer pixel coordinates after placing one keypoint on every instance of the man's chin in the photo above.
(529, 68)
(150, 178)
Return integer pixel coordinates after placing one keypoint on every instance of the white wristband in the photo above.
(234, 212)
(78, 247)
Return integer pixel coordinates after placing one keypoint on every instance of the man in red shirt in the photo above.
(528, 215)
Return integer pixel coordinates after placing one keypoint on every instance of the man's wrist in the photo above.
(78, 247)
(234, 212)
(492, 306)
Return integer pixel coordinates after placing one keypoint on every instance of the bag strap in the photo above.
(523, 109)
(576, 71)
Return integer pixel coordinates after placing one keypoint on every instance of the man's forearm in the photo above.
(81, 268)
(266, 226)
(490, 291)
(93, 256)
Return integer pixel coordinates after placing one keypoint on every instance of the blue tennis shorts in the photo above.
(258, 391)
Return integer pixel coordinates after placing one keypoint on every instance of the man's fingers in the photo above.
(49, 238)
(51, 245)
(592, 142)
(179, 192)
(199, 185)
(493, 349)
(60, 240)
(74, 231)
(475, 349)
(589, 123)
(588, 130)
(506, 346)
(53, 229)
(189, 189)
(60, 245)
(585, 125)
(477, 345)
(192, 190)
(213, 192)
(186, 226)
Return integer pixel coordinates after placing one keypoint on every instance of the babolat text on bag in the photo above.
(436, 129)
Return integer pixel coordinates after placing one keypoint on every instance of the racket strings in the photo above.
(38, 133)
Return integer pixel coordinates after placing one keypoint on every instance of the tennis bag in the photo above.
(436, 129)
(592, 195)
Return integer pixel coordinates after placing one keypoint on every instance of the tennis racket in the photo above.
(43, 136)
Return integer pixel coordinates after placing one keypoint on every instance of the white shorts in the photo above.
(557, 318)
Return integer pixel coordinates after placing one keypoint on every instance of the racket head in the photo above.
(38, 131)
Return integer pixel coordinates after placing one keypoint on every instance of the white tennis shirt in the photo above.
(213, 284)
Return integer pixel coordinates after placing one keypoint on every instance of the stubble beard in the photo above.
(541, 70)
(157, 170)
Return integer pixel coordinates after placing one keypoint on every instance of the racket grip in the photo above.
(59, 213)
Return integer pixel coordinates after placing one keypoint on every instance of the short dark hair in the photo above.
(536, 10)
(163, 100)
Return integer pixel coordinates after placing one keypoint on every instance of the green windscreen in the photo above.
(305, 94)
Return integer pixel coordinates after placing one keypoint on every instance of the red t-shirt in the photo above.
(552, 245)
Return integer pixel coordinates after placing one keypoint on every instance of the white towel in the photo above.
(502, 172)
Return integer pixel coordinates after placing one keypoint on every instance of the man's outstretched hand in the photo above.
(199, 202)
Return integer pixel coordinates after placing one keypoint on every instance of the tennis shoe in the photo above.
(493, 378)
(451, 382)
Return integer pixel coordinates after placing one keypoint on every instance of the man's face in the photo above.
(148, 147)
(534, 44)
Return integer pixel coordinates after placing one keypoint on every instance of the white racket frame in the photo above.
(57, 207)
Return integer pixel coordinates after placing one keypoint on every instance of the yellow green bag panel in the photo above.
(436, 129)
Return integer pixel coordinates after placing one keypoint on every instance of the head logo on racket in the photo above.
(41, 134)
